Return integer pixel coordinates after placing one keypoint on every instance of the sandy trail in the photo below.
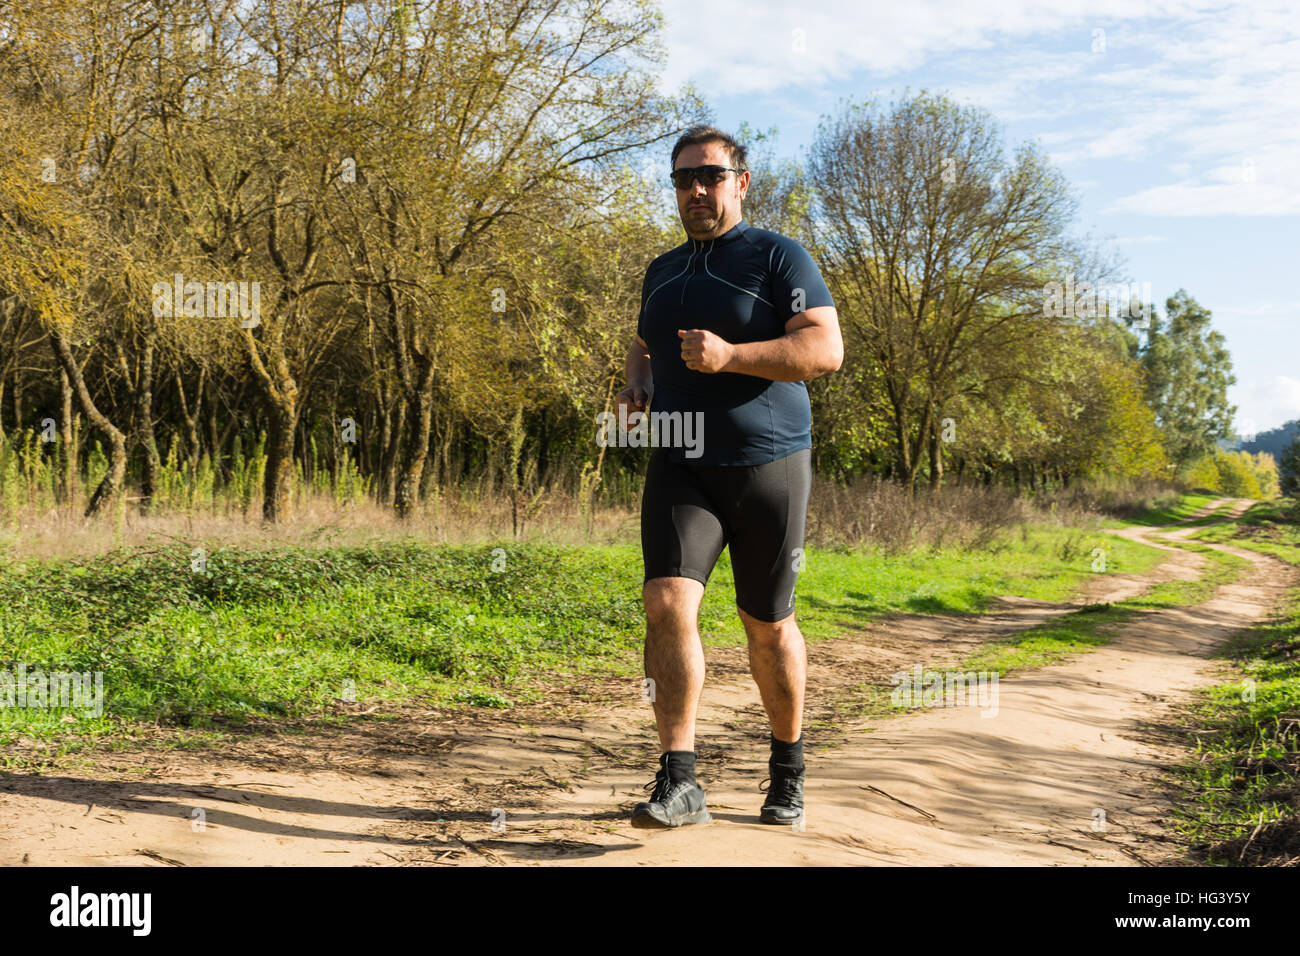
(1064, 773)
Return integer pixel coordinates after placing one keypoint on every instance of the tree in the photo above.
(779, 197)
(495, 113)
(1188, 372)
(1289, 469)
(1236, 474)
(937, 251)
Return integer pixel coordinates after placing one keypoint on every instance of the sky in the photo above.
(1178, 124)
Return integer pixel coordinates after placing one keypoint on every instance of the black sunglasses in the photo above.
(707, 175)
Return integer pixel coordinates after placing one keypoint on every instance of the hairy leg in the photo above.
(779, 665)
(674, 657)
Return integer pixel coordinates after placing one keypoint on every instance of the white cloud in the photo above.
(1192, 199)
(1217, 84)
(1268, 404)
(750, 46)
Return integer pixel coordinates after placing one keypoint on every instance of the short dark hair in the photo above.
(699, 135)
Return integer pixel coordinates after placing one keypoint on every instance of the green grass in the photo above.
(1187, 505)
(1241, 791)
(1268, 527)
(313, 634)
(1093, 626)
(1214, 517)
(843, 590)
(278, 634)
(1064, 637)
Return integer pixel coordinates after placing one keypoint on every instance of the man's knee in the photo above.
(769, 632)
(668, 600)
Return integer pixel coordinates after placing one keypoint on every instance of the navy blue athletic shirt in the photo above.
(743, 286)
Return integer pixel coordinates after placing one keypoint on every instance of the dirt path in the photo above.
(943, 785)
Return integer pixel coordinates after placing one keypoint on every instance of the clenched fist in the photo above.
(636, 398)
(703, 351)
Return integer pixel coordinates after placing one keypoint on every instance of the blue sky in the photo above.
(1178, 123)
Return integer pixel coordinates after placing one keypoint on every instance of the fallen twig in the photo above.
(925, 813)
(1254, 833)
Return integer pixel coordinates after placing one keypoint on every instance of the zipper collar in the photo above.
(731, 235)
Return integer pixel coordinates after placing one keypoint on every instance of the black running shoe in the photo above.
(673, 803)
(784, 802)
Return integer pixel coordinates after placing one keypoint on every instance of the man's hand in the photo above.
(636, 398)
(703, 351)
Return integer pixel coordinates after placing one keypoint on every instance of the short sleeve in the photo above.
(797, 283)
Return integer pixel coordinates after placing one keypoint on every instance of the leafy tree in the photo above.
(1230, 473)
(1236, 476)
(1188, 370)
(1289, 469)
(1204, 475)
(779, 195)
(936, 249)
(1264, 467)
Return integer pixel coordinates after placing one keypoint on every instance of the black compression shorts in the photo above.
(689, 512)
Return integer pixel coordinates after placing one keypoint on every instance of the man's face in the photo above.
(709, 211)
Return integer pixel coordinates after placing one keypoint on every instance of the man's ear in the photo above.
(742, 183)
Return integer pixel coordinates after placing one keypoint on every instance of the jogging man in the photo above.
(732, 323)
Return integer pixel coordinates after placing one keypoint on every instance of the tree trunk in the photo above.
(443, 474)
(417, 451)
(282, 408)
(277, 489)
(148, 439)
(67, 458)
(904, 462)
(219, 440)
(112, 485)
(936, 457)
(18, 401)
(912, 452)
(192, 421)
(391, 447)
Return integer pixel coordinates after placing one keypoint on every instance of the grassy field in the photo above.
(1077, 632)
(1242, 790)
(308, 633)
(1091, 626)
(1186, 506)
(318, 635)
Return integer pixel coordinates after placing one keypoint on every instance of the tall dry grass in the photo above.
(199, 510)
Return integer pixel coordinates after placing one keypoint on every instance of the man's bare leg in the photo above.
(674, 660)
(674, 657)
(778, 662)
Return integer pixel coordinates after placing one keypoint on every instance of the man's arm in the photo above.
(811, 346)
(640, 384)
(637, 366)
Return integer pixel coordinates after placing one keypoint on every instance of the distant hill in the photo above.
(1271, 441)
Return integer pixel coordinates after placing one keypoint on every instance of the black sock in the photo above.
(680, 764)
(787, 755)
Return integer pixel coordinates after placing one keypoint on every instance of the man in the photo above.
(732, 323)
